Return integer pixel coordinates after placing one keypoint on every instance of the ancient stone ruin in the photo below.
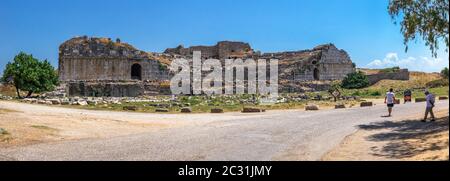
(102, 67)
(223, 50)
(401, 74)
(324, 62)
(90, 66)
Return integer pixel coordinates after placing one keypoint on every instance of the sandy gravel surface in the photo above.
(31, 124)
(274, 135)
(400, 139)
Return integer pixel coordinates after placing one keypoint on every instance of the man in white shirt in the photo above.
(430, 104)
(390, 100)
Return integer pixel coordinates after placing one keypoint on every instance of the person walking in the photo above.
(407, 96)
(390, 101)
(430, 105)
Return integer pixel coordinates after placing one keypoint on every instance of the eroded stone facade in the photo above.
(102, 67)
(222, 50)
(324, 62)
(93, 59)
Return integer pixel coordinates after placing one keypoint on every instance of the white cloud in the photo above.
(425, 64)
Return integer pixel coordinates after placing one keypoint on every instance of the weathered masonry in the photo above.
(96, 59)
(101, 67)
(90, 66)
(324, 62)
(222, 50)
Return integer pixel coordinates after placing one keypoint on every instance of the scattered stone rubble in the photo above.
(3, 97)
(311, 107)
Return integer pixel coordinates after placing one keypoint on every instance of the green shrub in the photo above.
(390, 70)
(355, 80)
(375, 93)
(438, 83)
(444, 73)
(356, 93)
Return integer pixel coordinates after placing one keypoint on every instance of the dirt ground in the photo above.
(27, 124)
(30, 126)
(404, 139)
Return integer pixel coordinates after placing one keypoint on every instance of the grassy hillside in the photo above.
(417, 83)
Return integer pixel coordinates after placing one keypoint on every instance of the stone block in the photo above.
(162, 110)
(130, 108)
(186, 110)
(82, 103)
(339, 106)
(252, 110)
(366, 104)
(420, 99)
(312, 107)
(216, 110)
(443, 97)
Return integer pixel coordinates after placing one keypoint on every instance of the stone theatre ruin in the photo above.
(90, 66)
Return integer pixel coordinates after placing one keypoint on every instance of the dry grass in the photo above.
(43, 127)
(416, 83)
(369, 71)
(7, 90)
(3, 111)
(29, 124)
(416, 80)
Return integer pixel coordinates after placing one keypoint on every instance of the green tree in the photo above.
(334, 91)
(355, 80)
(444, 73)
(29, 74)
(426, 18)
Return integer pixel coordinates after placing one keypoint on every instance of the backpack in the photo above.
(432, 100)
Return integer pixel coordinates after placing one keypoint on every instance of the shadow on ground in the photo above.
(408, 138)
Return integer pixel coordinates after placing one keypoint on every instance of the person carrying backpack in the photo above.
(430, 105)
(407, 96)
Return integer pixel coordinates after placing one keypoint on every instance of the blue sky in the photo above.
(361, 27)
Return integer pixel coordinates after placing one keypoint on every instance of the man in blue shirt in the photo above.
(430, 105)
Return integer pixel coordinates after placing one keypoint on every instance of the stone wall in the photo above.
(402, 74)
(222, 50)
(114, 88)
(109, 69)
(102, 67)
(104, 89)
(87, 59)
(324, 62)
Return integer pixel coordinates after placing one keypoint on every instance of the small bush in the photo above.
(355, 80)
(390, 70)
(3, 131)
(444, 73)
(438, 83)
(356, 93)
(375, 93)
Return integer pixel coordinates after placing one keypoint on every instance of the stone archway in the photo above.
(136, 72)
(316, 74)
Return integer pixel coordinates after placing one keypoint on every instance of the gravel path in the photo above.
(274, 135)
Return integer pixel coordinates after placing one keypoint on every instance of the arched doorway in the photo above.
(316, 74)
(136, 72)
